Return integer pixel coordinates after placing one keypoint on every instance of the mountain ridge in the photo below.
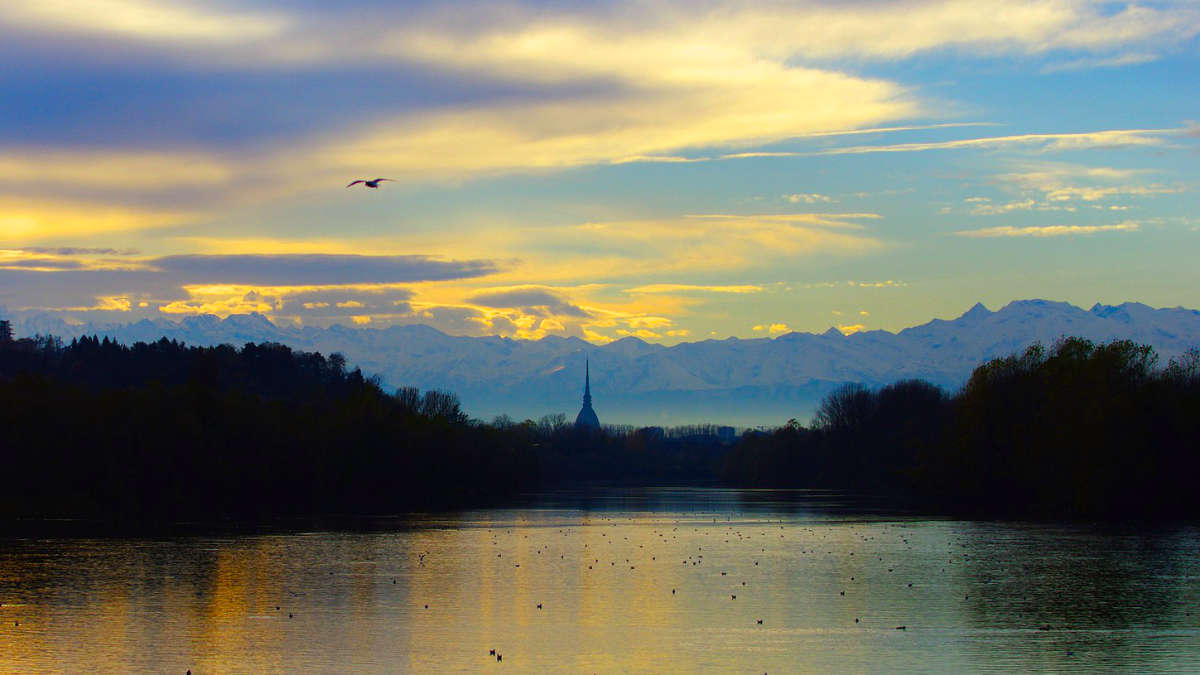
(744, 381)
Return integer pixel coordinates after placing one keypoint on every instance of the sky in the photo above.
(674, 171)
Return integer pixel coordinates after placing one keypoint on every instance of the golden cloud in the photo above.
(114, 170)
(144, 20)
(773, 329)
(30, 220)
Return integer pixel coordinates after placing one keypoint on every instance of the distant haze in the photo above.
(742, 382)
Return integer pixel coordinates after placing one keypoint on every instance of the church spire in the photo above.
(587, 417)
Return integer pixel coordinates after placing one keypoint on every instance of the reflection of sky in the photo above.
(1115, 599)
(566, 149)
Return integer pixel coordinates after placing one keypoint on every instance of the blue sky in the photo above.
(671, 170)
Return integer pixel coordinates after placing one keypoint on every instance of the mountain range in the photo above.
(743, 382)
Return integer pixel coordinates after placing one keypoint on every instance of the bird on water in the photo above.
(370, 183)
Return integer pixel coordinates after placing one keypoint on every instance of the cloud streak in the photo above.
(1048, 230)
(696, 288)
(532, 300)
(316, 269)
(146, 20)
(1110, 138)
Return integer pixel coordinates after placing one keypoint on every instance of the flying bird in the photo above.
(370, 183)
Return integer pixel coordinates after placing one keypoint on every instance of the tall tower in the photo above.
(587, 417)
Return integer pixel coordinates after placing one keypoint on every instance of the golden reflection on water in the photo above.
(437, 596)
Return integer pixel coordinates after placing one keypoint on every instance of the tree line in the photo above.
(162, 432)
(1078, 430)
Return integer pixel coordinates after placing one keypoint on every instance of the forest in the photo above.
(164, 432)
(1080, 430)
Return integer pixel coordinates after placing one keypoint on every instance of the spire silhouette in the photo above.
(587, 417)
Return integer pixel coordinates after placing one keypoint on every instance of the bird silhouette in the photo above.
(369, 183)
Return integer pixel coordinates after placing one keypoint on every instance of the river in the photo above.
(652, 580)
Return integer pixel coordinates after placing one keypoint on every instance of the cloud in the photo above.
(889, 283)
(27, 220)
(233, 284)
(808, 198)
(79, 251)
(695, 288)
(549, 42)
(773, 329)
(317, 269)
(1088, 63)
(539, 87)
(147, 20)
(128, 171)
(531, 300)
(822, 219)
(1110, 138)
(1091, 194)
(642, 333)
(1048, 230)
(1056, 186)
(325, 304)
(529, 87)
(40, 264)
(985, 209)
(851, 329)
(731, 104)
(716, 241)
(659, 159)
(1021, 205)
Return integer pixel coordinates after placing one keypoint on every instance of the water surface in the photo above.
(632, 581)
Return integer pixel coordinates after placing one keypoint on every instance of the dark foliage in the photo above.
(1083, 430)
(163, 432)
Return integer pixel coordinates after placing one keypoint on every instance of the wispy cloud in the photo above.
(561, 41)
(808, 198)
(148, 20)
(731, 106)
(773, 328)
(989, 209)
(1088, 63)
(695, 288)
(1110, 138)
(1056, 186)
(41, 219)
(316, 269)
(822, 219)
(1049, 230)
(129, 171)
(77, 250)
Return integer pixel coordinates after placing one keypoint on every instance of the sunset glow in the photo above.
(672, 171)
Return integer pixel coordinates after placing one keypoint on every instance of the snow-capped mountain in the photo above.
(735, 381)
